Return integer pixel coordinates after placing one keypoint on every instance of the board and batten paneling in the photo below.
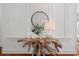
(58, 17)
(70, 27)
(0, 25)
(17, 24)
(14, 24)
(15, 19)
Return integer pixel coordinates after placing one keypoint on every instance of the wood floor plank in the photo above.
(31, 55)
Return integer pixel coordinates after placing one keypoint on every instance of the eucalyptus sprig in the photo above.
(37, 29)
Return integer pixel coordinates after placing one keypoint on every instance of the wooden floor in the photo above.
(31, 55)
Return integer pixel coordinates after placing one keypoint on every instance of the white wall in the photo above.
(78, 20)
(0, 24)
(70, 25)
(16, 22)
(58, 16)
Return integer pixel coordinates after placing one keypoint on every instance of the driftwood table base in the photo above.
(40, 45)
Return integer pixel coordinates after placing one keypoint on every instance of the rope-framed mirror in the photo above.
(38, 18)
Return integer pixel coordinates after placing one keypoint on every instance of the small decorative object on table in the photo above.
(41, 44)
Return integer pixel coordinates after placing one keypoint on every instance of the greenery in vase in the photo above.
(37, 29)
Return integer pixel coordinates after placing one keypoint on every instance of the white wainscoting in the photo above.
(16, 22)
(12, 46)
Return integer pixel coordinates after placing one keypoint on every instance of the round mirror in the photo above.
(39, 18)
